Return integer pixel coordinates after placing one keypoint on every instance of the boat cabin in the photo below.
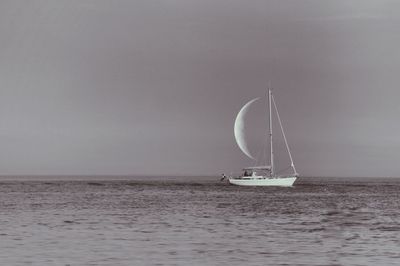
(251, 172)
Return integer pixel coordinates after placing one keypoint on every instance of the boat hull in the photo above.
(276, 182)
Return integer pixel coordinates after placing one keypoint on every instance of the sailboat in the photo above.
(264, 175)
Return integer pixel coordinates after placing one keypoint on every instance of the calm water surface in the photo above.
(198, 221)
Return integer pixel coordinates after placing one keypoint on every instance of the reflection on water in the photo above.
(198, 221)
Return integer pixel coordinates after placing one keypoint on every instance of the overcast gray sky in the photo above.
(153, 87)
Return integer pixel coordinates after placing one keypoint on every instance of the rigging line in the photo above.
(284, 136)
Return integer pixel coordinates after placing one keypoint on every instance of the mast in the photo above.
(270, 131)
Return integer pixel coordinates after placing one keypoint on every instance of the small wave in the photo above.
(223, 205)
(69, 222)
(387, 228)
(353, 237)
(330, 213)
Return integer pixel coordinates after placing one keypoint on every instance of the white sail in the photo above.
(239, 131)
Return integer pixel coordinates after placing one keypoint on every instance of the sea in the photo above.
(112, 220)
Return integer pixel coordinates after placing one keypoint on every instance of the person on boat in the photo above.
(223, 177)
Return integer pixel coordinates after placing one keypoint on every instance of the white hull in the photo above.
(278, 181)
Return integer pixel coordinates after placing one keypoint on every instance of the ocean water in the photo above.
(198, 221)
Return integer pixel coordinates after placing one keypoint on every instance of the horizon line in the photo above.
(167, 175)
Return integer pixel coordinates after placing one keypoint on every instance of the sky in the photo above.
(153, 87)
